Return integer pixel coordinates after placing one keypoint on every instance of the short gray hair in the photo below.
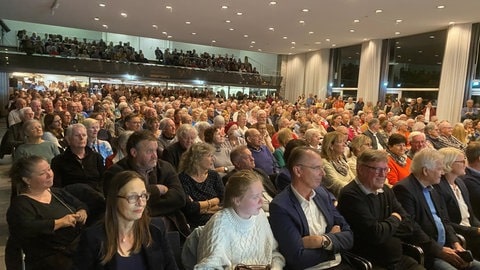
(426, 158)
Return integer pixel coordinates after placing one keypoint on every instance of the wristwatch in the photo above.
(326, 241)
(225, 169)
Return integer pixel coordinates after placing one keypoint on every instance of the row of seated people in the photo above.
(233, 235)
(72, 47)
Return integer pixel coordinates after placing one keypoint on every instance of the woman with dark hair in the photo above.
(44, 222)
(398, 161)
(335, 122)
(202, 185)
(53, 130)
(126, 239)
(153, 124)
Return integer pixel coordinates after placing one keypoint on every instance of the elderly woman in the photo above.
(314, 138)
(358, 145)
(34, 144)
(337, 171)
(234, 137)
(186, 135)
(284, 136)
(45, 222)
(53, 130)
(100, 146)
(398, 161)
(354, 128)
(457, 199)
(126, 238)
(237, 234)
(221, 162)
(202, 185)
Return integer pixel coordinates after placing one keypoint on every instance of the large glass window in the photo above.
(416, 61)
(347, 66)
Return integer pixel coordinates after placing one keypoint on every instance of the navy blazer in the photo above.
(472, 182)
(453, 209)
(409, 193)
(157, 256)
(289, 226)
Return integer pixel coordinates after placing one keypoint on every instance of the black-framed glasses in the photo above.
(378, 170)
(315, 168)
(132, 199)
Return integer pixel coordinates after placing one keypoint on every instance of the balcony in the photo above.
(11, 61)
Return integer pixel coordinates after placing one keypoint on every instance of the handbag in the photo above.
(252, 267)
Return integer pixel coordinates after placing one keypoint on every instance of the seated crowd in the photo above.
(55, 44)
(100, 181)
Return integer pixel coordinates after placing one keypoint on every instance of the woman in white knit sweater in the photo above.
(239, 233)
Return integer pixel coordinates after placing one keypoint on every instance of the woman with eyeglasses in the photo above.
(202, 184)
(126, 239)
(398, 161)
(34, 144)
(457, 199)
(44, 222)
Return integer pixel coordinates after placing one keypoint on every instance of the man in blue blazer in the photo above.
(309, 229)
(424, 205)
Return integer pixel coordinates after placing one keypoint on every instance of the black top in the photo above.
(31, 223)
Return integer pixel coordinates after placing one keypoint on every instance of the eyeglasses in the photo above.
(315, 168)
(378, 170)
(133, 199)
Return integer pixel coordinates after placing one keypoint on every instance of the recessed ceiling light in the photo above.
(194, 33)
(356, 21)
(309, 50)
(420, 51)
(123, 14)
(214, 41)
(432, 37)
(399, 47)
(105, 26)
(289, 53)
(334, 45)
(272, 3)
(327, 40)
(96, 19)
(441, 6)
(224, 7)
(252, 42)
(305, 10)
(239, 13)
(168, 7)
(378, 11)
(352, 30)
(285, 37)
(188, 22)
(436, 55)
(397, 33)
(251, 46)
(101, 5)
(259, 50)
(164, 32)
(169, 36)
(301, 22)
(293, 42)
(310, 33)
(228, 21)
(245, 36)
(318, 42)
(271, 29)
(293, 47)
(398, 21)
(155, 26)
(231, 29)
(365, 39)
(451, 23)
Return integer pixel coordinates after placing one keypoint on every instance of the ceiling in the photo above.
(286, 27)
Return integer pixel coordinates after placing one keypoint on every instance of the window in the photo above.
(347, 66)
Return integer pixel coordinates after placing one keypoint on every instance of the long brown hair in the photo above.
(141, 230)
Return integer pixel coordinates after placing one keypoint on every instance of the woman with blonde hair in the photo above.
(237, 234)
(359, 144)
(337, 171)
(460, 133)
(202, 184)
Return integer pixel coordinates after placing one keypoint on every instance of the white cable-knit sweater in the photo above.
(228, 240)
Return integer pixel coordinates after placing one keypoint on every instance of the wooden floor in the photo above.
(5, 164)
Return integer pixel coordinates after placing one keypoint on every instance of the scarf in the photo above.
(341, 166)
(400, 160)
